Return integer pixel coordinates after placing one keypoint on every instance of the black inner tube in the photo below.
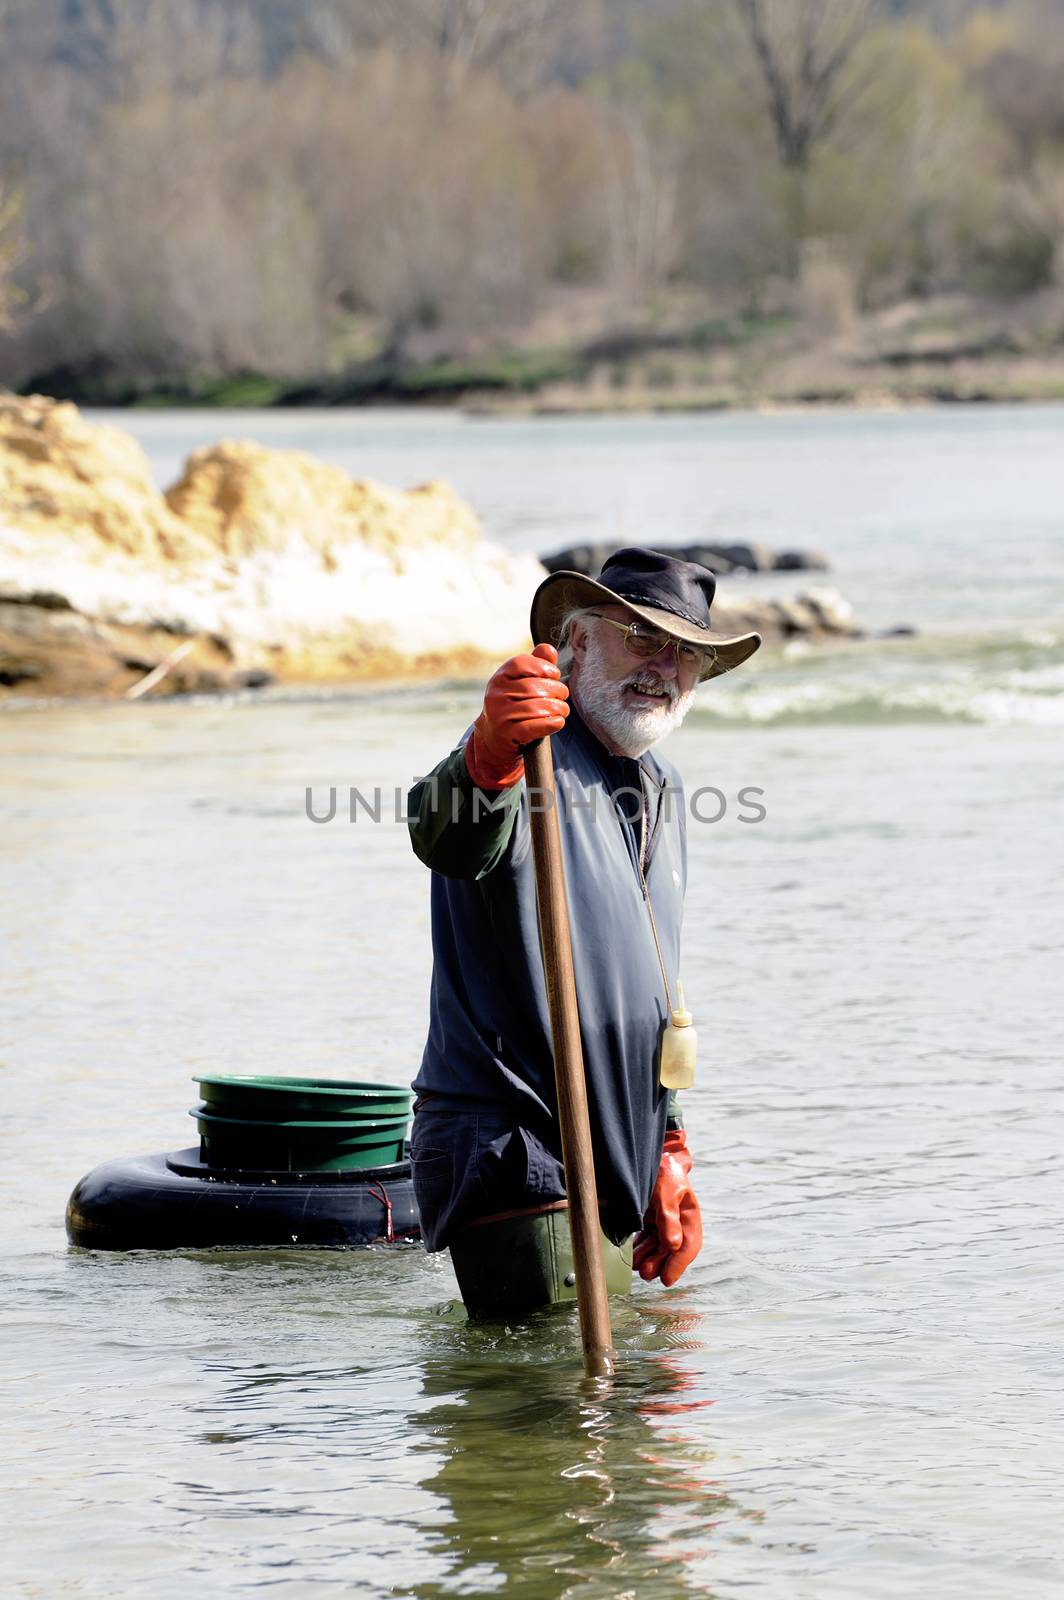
(175, 1201)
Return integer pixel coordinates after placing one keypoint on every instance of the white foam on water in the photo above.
(1032, 711)
(954, 689)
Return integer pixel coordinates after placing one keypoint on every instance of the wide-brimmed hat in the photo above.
(673, 595)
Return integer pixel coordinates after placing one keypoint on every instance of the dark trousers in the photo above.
(471, 1160)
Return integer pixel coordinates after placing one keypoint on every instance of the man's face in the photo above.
(629, 703)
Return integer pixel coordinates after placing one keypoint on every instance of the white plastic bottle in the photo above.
(679, 1045)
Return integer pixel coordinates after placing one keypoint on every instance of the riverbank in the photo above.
(949, 350)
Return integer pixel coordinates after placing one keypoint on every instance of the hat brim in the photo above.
(563, 592)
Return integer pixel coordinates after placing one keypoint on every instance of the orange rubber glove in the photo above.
(524, 700)
(672, 1227)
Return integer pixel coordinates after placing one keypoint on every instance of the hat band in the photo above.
(656, 605)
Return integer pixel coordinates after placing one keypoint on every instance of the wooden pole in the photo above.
(600, 1358)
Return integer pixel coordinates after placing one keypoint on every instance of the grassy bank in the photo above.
(950, 350)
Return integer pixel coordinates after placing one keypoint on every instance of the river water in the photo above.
(856, 1391)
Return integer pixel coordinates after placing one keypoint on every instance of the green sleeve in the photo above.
(456, 828)
(675, 1117)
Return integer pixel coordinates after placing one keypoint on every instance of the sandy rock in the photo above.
(245, 499)
(273, 564)
(61, 475)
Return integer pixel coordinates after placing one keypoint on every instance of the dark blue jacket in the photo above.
(489, 1039)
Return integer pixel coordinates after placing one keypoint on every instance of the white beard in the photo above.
(604, 704)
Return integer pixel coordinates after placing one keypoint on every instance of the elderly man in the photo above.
(614, 669)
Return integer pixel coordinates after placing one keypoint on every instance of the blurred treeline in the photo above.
(288, 187)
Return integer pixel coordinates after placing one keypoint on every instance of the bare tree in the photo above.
(510, 37)
(1039, 206)
(802, 49)
(641, 191)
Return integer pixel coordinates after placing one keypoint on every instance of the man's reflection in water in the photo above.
(561, 1486)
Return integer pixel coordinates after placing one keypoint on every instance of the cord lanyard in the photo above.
(679, 1041)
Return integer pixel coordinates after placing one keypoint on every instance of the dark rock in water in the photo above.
(800, 561)
(903, 631)
(747, 557)
(254, 678)
(711, 556)
(723, 559)
(587, 559)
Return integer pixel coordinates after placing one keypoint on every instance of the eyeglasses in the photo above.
(644, 641)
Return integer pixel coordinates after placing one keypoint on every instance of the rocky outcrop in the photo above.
(50, 650)
(245, 501)
(268, 562)
(719, 558)
(818, 613)
(258, 565)
(63, 478)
